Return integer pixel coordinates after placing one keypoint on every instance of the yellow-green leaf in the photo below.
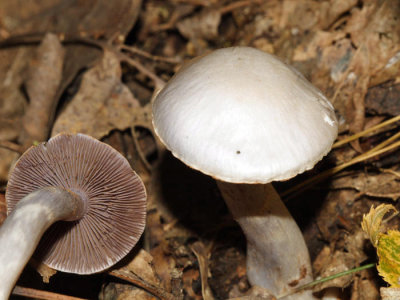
(372, 221)
(389, 257)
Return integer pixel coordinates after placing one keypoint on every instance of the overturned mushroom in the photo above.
(245, 118)
(78, 179)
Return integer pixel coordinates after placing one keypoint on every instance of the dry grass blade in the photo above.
(377, 150)
(365, 132)
(202, 253)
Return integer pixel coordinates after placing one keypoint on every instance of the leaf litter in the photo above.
(92, 67)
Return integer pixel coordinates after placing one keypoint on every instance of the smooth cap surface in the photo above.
(243, 116)
(114, 194)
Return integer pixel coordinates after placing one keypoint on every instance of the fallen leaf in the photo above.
(383, 185)
(103, 102)
(371, 223)
(390, 293)
(44, 77)
(202, 255)
(118, 291)
(45, 271)
(91, 17)
(388, 249)
(203, 25)
(330, 262)
(384, 99)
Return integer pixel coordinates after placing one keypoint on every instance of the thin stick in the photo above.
(365, 132)
(337, 275)
(238, 4)
(38, 294)
(135, 50)
(11, 146)
(132, 278)
(323, 175)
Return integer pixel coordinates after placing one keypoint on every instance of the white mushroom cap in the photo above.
(241, 115)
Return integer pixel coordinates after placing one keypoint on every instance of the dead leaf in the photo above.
(43, 80)
(118, 291)
(141, 272)
(103, 102)
(189, 277)
(141, 265)
(45, 271)
(384, 99)
(372, 221)
(202, 255)
(203, 25)
(91, 17)
(390, 293)
(330, 262)
(256, 293)
(383, 185)
(365, 286)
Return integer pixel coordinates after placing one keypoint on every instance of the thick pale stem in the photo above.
(277, 256)
(23, 228)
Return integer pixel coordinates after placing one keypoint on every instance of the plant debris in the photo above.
(93, 67)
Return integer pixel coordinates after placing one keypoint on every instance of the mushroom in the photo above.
(245, 118)
(72, 178)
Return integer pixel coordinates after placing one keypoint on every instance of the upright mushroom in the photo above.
(245, 118)
(71, 178)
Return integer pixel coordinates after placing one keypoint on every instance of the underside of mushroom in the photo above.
(277, 256)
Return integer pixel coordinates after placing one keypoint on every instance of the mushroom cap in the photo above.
(243, 116)
(115, 201)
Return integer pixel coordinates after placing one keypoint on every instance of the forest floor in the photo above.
(92, 67)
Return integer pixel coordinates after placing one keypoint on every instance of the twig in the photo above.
(38, 294)
(132, 278)
(135, 50)
(11, 146)
(238, 4)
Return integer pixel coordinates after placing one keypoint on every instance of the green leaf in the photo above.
(389, 257)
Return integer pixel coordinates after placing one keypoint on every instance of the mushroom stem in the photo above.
(277, 256)
(24, 227)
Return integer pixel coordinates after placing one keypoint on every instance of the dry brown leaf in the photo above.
(141, 272)
(256, 293)
(203, 25)
(103, 102)
(384, 99)
(91, 17)
(383, 185)
(118, 291)
(142, 266)
(164, 264)
(43, 80)
(365, 286)
(45, 271)
(190, 276)
(321, 41)
(330, 262)
(13, 63)
(390, 293)
(202, 255)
